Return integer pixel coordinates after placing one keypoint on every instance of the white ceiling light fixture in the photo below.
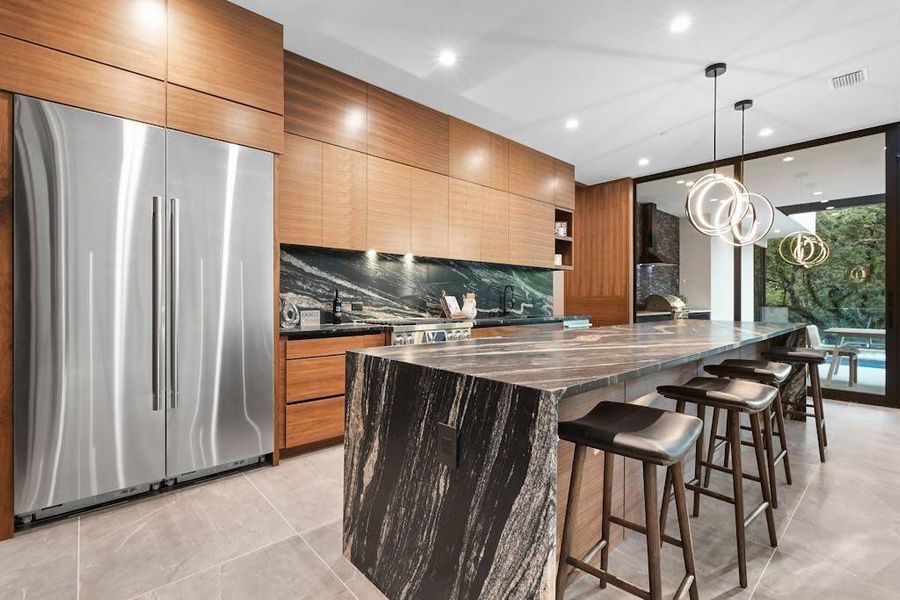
(787, 159)
(572, 124)
(766, 132)
(680, 24)
(643, 162)
(732, 202)
(817, 193)
(679, 182)
(760, 216)
(447, 58)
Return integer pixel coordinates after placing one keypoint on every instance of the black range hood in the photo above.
(650, 238)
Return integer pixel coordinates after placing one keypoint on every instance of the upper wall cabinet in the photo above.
(343, 198)
(130, 34)
(388, 211)
(224, 50)
(565, 185)
(530, 232)
(430, 207)
(478, 155)
(406, 132)
(300, 192)
(324, 104)
(531, 173)
(466, 203)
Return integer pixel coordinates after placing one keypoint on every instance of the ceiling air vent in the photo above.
(849, 79)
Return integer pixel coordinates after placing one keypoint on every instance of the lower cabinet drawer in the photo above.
(309, 378)
(314, 421)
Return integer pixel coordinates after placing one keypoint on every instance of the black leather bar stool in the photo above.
(812, 359)
(760, 371)
(736, 397)
(657, 438)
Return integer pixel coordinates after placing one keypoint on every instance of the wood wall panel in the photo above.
(601, 283)
(465, 220)
(532, 174)
(388, 211)
(324, 104)
(343, 198)
(494, 226)
(406, 132)
(210, 116)
(6, 319)
(225, 50)
(129, 34)
(478, 155)
(33, 70)
(430, 208)
(530, 232)
(300, 191)
(564, 190)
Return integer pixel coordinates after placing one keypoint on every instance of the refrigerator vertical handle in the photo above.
(158, 300)
(173, 301)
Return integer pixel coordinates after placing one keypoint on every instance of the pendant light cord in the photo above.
(715, 101)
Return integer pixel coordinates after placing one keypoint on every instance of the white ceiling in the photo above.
(525, 66)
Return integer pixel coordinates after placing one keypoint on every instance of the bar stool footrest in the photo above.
(643, 530)
(609, 578)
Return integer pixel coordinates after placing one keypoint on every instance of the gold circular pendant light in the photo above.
(804, 249)
(859, 274)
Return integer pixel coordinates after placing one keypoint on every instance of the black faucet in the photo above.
(508, 304)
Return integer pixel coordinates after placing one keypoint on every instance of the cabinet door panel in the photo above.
(406, 132)
(314, 421)
(465, 220)
(495, 226)
(343, 198)
(309, 378)
(565, 185)
(300, 191)
(430, 201)
(532, 174)
(478, 155)
(530, 232)
(225, 50)
(129, 35)
(388, 212)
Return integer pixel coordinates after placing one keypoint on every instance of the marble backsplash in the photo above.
(391, 286)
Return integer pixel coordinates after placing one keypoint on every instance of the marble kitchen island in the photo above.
(453, 471)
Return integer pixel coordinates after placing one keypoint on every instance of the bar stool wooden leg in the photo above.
(654, 537)
(698, 459)
(766, 419)
(608, 464)
(711, 448)
(734, 437)
(763, 476)
(817, 410)
(684, 527)
(782, 437)
(667, 485)
(569, 522)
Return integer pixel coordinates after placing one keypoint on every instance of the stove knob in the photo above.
(398, 340)
(409, 339)
(465, 335)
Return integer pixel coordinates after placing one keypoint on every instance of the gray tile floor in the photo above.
(275, 533)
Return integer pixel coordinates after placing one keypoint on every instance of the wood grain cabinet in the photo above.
(314, 374)
(465, 220)
(494, 226)
(129, 34)
(343, 198)
(430, 207)
(478, 155)
(532, 174)
(530, 232)
(388, 211)
(300, 191)
(407, 132)
(222, 49)
(564, 191)
(324, 104)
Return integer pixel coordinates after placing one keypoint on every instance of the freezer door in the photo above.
(220, 251)
(84, 413)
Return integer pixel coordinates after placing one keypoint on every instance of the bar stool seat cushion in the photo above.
(789, 353)
(774, 372)
(634, 431)
(730, 394)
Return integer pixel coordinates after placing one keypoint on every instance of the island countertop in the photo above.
(572, 362)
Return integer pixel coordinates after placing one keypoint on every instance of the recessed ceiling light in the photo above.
(447, 58)
(777, 231)
(689, 183)
(817, 193)
(787, 159)
(572, 124)
(823, 201)
(829, 208)
(643, 162)
(679, 182)
(680, 24)
(766, 131)
(713, 199)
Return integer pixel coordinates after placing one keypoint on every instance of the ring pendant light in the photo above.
(804, 249)
(716, 203)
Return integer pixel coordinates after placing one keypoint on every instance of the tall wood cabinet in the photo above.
(343, 198)
(465, 220)
(530, 241)
(430, 213)
(388, 214)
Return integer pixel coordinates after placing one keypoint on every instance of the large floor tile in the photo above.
(285, 570)
(138, 547)
(40, 562)
(326, 541)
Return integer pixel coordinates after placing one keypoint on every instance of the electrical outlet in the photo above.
(448, 452)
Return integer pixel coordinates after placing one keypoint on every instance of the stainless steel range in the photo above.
(407, 332)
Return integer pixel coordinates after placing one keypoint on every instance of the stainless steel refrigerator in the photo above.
(143, 315)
